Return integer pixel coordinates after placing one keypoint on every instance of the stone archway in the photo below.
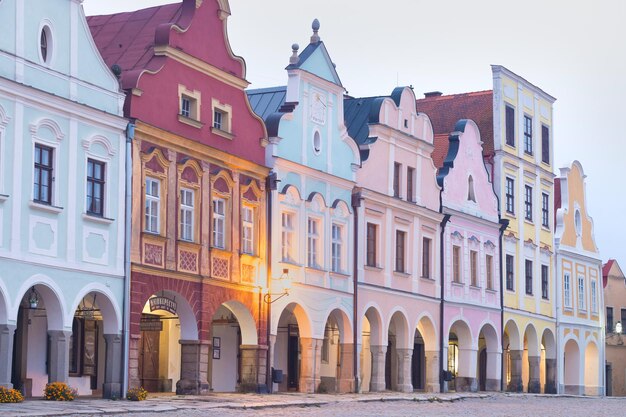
(461, 357)
(514, 352)
(336, 355)
(489, 359)
(372, 375)
(571, 368)
(425, 363)
(592, 370)
(549, 351)
(531, 365)
(399, 354)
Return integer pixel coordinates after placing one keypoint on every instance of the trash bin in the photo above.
(277, 376)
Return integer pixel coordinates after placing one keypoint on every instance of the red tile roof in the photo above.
(445, 111)
(606, 268)
(442, 143)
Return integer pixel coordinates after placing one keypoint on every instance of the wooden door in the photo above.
(149, 361)
(417, 367)
(482, 370)
(293, 358)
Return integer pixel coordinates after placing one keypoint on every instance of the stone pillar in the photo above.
(6, 354)
(346, 370)
(59, 361)
(516, 385)
(378, 368)
(171, 207)
(404, 370)
(134, 379)
(112, 387)
(194, 357)
(432, 370)
(534, 384)
(253, 368)
(550, 387)
(466, 379)
(310, 359)
(494, 361)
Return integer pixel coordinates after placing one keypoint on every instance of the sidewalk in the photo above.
(161, 404)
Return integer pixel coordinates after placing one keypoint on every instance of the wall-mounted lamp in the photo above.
(618, 327)
(283, 284)
(33, 299)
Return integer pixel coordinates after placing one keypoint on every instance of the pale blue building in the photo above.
(62, 203)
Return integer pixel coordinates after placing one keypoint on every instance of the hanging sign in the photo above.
(150, 324)
(163, 303)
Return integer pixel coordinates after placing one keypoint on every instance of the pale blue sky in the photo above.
(574, 51)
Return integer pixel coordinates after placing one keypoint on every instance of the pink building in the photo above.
(471, 263)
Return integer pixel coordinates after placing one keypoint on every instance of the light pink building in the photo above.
(471, 264)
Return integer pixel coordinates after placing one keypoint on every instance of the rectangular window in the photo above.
(581, 292)
(95, 187)
(528, 203)
(185, 106)
(153, 205)
(594, 297)
(313, 242)
(218, 119)
(219, 223)
(410, 172)
(337, 248)
(609, 320)
(400, 238)
(456, 264)
(42, 181)
(544, 282)
(623, 318)
(426, 257)
(529, 277)
(489, 271)
(528, 135)
(510, 265)
(396, 179)
(510, 195)
(287, 237)
(247, 230)
(510, 125)
(567, 290)
(186, 214)
(545, 144)
(371, 244)
(545, 210)
(474, 267)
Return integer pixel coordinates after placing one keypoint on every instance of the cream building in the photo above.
(615, 301)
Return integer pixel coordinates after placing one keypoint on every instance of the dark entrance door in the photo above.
(293, 358)
(388, 366)
(149, 360)
(417, 367)
(482, 370)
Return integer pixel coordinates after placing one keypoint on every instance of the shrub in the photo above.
(10, 395)
(136, 394)
(59, 391)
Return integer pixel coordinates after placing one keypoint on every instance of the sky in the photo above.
(575, 51)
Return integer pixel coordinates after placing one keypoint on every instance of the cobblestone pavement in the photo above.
(318, 405)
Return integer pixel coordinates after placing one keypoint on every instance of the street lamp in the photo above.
(283, 285)
(33, 299)
(618, 327)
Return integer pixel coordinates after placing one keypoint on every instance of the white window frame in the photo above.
(219, 223)
(581, 292)
(313, 238)
(567, 290)
(474, 272)
(152, 206)
(594, 297)
(186, 230)
(337, 247)
(247, 230)
(287, 234)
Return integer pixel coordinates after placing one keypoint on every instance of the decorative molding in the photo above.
(50, 124)
(456, 235)
(104, 141)
(530, 244)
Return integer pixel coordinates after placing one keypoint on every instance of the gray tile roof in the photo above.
(265, 101)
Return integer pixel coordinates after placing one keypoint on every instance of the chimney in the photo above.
(432, 94)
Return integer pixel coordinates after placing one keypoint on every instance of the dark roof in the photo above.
(358, 113)
(557, 198)
(445, 111)
(265, 101)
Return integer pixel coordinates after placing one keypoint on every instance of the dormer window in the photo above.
(470, 189)
(218, 116)
(189, 104)
(45, 44)
(185, 106)
(222, 115)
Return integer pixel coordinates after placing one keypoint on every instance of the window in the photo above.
(396, 179)
(609, 320)
(510, 125)
(222, 119)
(578, 224)
(623, 318)
(219, 220)
(95, 187)
(247, 230)
(510, 195)
(287, 237)
(510, 265)
(325, 351)
(489, 271)
(42, 184)
(337, 248)
(474, 267)
(528, 135)
(545, 144)
(456, 264)
(544, 281)
(528, 203)
(529, 277)
(153, 205)
(317, 142)
(371, 244)
(581, 292)
(410, 172)
(567, 290)
(426, 257)
(45, 44)
(594, 297)
(186, 214)
(185, 106)
(400, 238)
(545, 210)
(470, 189)
(313, 242)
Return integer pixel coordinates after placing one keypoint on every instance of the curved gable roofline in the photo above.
(163, 31)
(312, 196)
(453, 150)
(289, 187)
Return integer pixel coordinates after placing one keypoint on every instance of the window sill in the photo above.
(315, 268)
(530, 222)
(526, 153)
(152, 235)
(512, 146)
(545, 228)
(510, 291)
(222, 133)
(491, 291)
(339, 274)
(529, 295)
(373, 268)
(402, 274)
(458, 284)
(290, 262)
(474, 287)
(191, 122)
(429, 279)
(45, 207)
(97, 219)
(3, 198)
(545, 300)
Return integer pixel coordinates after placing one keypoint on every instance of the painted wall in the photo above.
(615, 296)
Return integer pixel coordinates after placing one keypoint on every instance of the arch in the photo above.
(531, 340)
(304, 323)
(111, 313)
(157, 153)
(293, 191)
(191, 164)
(571, 364)
(49, 124)
(342, 318)
(5, 307)
(4, 118)
(492, 341)
(592, 366)
(400, 325)
(426, 327)
(316, 196)
(372, 313)
(549, 343)
(52, 297)
(102, 140)
(225, 176)
(463, 331)
(186, 316)
(512, 331)
(247, 325)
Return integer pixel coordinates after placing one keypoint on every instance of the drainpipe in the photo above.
(356, 203)
(444, 221)
(504, 223)
(130, 135)
(270, 186)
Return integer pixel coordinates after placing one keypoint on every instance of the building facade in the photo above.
(313, 163)
(614, 283)
(198, 242)
(398, 273)
(472, 314)
(62, 184)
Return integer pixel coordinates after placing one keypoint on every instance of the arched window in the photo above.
(578, 222)
(317, 142)
(470, 189)
(45, 44)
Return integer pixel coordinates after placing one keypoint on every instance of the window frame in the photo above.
(528, 202)
(610, 320)
(313, 239)
(336, 247)
(371, 240)
(528, 135)
(545, 144)
(397, 167)
(248, 243)
(456, 264)
(528, 274)
(474, 268)
(400, 252)
(287, 234)
(510, 195)
(489, 271)
(40, 167)
(218, 222)
(567, 290)
(594, 296)
(509, 131)
(582, 305)
(545, 210)
(545, 281)
(91, 182)
(150, 199)
(426, 250)
(185, 208)
(410, 181)
(510, 272)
